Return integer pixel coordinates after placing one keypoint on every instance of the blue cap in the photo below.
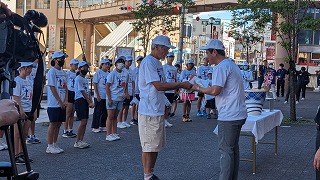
(139, 58)
(25, 64)
(59, 54)
(74, 61)
(190, 61)
(120, 57)
(83, 63)
(170, 54)
(129, 58)
(103, 61)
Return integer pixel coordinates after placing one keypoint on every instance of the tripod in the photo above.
(9, 169)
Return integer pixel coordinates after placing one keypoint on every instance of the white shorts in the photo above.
(152, 133)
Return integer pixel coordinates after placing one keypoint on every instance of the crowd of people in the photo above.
(274, 80)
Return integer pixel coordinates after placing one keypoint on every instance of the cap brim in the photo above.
(171, 47)
(204, 48)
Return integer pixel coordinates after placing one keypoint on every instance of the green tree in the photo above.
(152, 14)
(287, 19)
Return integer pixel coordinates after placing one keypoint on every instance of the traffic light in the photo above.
(126, 8)
(214, 28)
(197, 18)
(176, 9)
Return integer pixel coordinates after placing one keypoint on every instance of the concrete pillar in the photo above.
(281, 53)
(70, 40)
(90, 42)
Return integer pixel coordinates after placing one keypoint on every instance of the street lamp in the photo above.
(211, 21)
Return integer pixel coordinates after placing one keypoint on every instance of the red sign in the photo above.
(270, 53)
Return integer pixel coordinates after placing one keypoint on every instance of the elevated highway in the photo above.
(102, 11)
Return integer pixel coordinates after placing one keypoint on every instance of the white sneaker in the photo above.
(302, 99)
(52, 150)
(96, 130)
(81, 144)
(103, 129)
(285, 102)
(110, 137)
(167, 124)
(58, 148)
(297, 102)
(116, 136)
(120, 125)
(126, 124)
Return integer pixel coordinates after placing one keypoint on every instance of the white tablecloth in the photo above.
(260, 125)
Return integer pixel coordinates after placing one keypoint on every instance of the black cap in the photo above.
(281, 65)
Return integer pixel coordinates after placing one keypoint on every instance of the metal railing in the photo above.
(73, 4)
(87, 3)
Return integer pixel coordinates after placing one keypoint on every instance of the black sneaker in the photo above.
(208, 116)
(30, 160)
(65, 134)
(134, 122)
(154, 177)
(70, 134)
(172, 114)
(19, 160)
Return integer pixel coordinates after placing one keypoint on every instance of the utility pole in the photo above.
(182, 32)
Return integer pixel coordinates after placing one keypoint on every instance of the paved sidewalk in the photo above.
(191, 152)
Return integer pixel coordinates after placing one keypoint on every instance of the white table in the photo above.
(257, 126)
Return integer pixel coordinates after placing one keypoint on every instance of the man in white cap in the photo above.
(227, 87)
(68, 125)
(152, 105)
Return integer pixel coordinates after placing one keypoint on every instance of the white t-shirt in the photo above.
(203, 71)
(118, 83)
(71, 80)
(136, 78)
(24, 89)
(186, 74)
(207, 83)
(246, 75)
(230, 102)
(81, 83)
(58, 79)
(178, 77)
(100, 78)
(131, 78)
(151, 100)
(170, 73)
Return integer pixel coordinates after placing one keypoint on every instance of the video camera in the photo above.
(18, 43)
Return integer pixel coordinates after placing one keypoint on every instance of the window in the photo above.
(305, 37)
(204, 29)
(42, 4)
(316, 37)
(62, 41)
(19, 4)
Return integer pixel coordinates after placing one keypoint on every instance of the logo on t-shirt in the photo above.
(160, 74)
(26, 92)
(121, 81)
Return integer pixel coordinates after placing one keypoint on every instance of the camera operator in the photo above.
(7, 11)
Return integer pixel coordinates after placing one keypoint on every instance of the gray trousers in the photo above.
(228, 139)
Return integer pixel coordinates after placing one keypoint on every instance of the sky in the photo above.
(225, 15)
